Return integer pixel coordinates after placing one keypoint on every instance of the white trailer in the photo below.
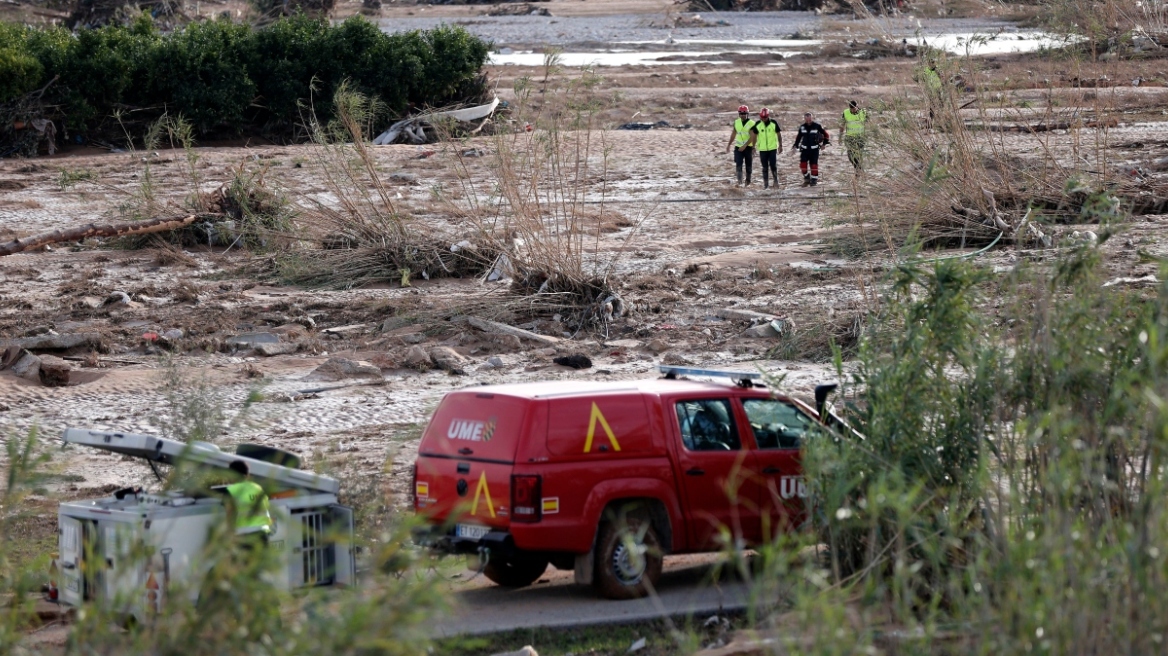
(144, 544)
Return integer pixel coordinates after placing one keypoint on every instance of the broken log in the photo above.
(503, 329)
(158, 224)
(54, 372)
(1043, 127)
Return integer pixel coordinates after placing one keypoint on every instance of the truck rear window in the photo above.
(476, 426)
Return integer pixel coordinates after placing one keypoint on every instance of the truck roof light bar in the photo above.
(742, 378)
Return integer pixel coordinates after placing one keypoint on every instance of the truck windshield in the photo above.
(776, 424)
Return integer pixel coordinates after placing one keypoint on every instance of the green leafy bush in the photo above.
(226, 78)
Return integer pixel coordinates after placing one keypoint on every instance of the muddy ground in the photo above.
(679, 242)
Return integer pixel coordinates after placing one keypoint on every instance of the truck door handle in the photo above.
(771, 470)
(69, 565)
(695, 472)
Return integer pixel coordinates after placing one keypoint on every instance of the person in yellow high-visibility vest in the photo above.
(853, 127)
(769, 143)
(248, 507)
(742, 136)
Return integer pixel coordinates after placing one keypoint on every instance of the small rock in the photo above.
(291, 331)
(4, 407)
(658, 345)
(54, 372)
(408, 178)
(306, 321)
(281, 348)
(508, 342)
(118, 298)
(88, 302)
(495, 362)
(249, 340)
(413, 338)
(761, 330)
(575, 361)
(27, 366)
(173, 333)
(417, 358)
(675, 359)
(638, 645)
(546, 352)
(337, 368)
(448, 359)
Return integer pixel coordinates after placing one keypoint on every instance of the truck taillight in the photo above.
(526, 498)
(414, 485)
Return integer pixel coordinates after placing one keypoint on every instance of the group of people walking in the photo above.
(765, 136)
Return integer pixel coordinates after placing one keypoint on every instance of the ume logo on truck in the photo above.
(792, 486)
(471, 430)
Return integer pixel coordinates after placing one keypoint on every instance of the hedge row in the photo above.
(226, 77)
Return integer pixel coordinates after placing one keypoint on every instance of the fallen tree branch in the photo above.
(158, 224)
(503, 329)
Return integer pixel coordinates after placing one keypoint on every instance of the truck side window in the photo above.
(707, 425)
(776, 425)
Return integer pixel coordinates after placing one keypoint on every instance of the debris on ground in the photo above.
(653, 126)
(337, 368)
(448, 359)
(575, 361)
(424, 128)
(496, 327)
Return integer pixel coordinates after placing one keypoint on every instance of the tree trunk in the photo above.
(158, 224)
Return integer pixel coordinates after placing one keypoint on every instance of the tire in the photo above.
(519, 572)
(628, 558)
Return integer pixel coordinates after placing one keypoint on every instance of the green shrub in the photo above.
(1008, 495)
(226, 78)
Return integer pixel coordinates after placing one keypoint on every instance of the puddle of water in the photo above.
(989, 44)
(578, 59)
(754, 43)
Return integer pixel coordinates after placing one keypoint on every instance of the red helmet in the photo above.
(764, 112)
(743, 109)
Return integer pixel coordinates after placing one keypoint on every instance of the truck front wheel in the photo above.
(628, 558)
(517, 572)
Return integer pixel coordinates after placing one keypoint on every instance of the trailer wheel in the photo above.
(628, 557)
(518, 572)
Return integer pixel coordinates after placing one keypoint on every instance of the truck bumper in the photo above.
(444, 541)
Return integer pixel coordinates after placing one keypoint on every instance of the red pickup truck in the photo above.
(607, 478)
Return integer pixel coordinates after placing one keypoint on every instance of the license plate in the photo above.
(471, 531)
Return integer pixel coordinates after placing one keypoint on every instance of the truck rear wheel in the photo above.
(517, 572)
(628, 557)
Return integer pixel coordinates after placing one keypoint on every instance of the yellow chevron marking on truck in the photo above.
(482, 490)
(598, 416)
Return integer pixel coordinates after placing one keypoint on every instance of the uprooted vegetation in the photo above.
(956, 176)
(536, 223)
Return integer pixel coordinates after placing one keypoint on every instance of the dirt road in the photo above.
(687, 590)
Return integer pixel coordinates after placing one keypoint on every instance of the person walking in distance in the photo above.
(811, 138)
(852, 126)
(742, 136)
(769, 143)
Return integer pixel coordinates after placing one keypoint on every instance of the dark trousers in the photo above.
(809, 158)
(769, 160)
(855, 148)
(743, 156)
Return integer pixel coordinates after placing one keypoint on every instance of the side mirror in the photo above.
(821, 392)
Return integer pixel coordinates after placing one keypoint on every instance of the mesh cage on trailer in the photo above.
(316, 548)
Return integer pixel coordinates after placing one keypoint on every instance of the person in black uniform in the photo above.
(810, 140)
